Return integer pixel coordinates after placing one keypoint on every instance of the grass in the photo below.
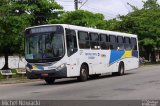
(15, 76)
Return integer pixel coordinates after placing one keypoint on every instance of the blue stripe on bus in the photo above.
(116, 55)
(119, 54)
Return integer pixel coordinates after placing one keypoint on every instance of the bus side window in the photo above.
(71, 42)
(112, 39)
(127, 43)
(134, 43)
(120, 45)
(104, 42)
(94, 41)
(83, 39)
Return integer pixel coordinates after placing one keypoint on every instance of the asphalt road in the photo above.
(141, 83)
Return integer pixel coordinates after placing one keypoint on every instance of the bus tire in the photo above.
(120, 70)
(83, 73)
(50, 80)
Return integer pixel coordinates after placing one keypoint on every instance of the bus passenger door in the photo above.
(104, 59)
(72, 53)
(97, 63)
(95, 53)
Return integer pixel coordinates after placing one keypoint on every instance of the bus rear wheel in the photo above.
(83, 73)
(50, 80)
(120, 70)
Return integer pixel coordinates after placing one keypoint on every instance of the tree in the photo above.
(81, 18)
(12, 24)
(112, 24)
(42, 10)
(145, 23)
(151, 5)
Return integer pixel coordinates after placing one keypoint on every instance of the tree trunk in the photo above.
(5, 67)
(147, 51)
(147, 55)
(159, 55)
(153, 56)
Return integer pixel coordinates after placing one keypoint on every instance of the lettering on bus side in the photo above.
(91, 55)
(103, 55)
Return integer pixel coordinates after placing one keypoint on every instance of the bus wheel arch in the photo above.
(84, 72)
(121, 68)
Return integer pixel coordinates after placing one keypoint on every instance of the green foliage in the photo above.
(81, 18)
(12, 25)
(151, 5)
(42, 11)
(112, 24)
(144, 22)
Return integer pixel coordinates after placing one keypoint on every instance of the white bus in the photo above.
(60, 51)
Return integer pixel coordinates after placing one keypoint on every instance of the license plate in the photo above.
(44, 75)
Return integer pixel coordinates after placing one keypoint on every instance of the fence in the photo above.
(13, 62)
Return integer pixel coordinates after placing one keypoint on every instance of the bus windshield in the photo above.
(44, 46)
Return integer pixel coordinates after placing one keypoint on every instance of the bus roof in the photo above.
(80, 28)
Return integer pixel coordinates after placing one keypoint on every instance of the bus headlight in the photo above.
(28, 69)
(61, 66)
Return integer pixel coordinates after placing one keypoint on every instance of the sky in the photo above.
(109, 8)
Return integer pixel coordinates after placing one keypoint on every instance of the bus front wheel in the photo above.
(83, 73)
(50, 80)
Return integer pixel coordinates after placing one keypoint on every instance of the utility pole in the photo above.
(76, 4)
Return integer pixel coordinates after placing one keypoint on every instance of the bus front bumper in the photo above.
(36, 74)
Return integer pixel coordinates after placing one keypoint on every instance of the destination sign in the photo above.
(43, 29)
